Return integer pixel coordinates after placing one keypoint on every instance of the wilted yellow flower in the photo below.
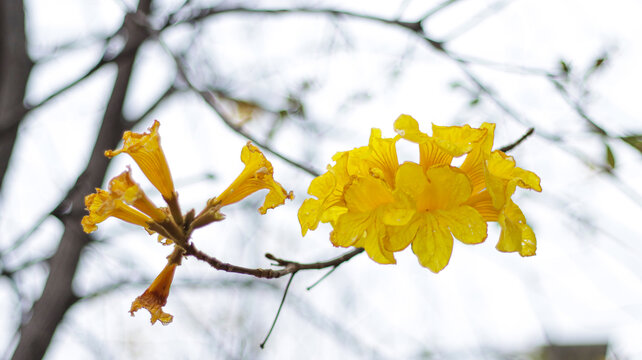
(147, 152)
(155, 297)
(373, 202)
(257, 175)
(125, 188)
(103, 204)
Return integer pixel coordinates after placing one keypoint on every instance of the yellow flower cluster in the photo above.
(375, 203)
(126, 201)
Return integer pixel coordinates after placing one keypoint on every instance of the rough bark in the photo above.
(58, 295)
(15, 66)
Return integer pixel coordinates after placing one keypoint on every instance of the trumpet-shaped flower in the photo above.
(148, 154)
(257, 175)
(124, 187)
(373, 202)
(155, 297)
(104, 204)
(125, 200)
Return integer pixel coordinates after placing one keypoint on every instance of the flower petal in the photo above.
(147, 152)
(516, 235)
(447, 188)
(383, 155)
(399, 237)
(431, 154)
(102, 205)
(408, 128)
(124, 187)
(366, 194)
(433, 244)
(484, 205)
(257, 175)
(465, 223)
(411, 180)
(475, 161)
(155, 297)
(457, 140)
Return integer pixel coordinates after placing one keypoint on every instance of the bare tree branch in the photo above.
(511, 146)
(58, 296)
(213, 102)
(15, 67)
(289, 267)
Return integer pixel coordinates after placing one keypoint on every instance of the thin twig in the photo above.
(475, 20)
(322, 278)
(509, 147)
(278, 312)
(289, 267)
(437, 9)
(217, 10)
(211, 100)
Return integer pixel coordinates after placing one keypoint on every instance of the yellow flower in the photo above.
(103, 204)
(502, 178)
(354, 196)
(147, 152)
(328, 188)
(362, 225)
(438, 195)
(447, 141)
(257, 175)
(124, 187)
(373, 202)
(155, 297)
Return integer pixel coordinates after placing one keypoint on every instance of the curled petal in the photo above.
(328, 188)
(516, 235)
(408, 128)
(102, 205)
(124, 187)
(501, 171)
(155, 297)
(257, 175)
(147, 152)
(457, 140)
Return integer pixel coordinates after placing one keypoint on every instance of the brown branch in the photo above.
(289, 267)
(509, 147)
(15, 67)
(211, 100)
(58, 295)
(436, 9)
(204, 13)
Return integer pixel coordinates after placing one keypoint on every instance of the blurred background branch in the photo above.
(302, 82)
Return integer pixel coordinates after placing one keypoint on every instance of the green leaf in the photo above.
(634, 140)
(610, 158)
(565, 67)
